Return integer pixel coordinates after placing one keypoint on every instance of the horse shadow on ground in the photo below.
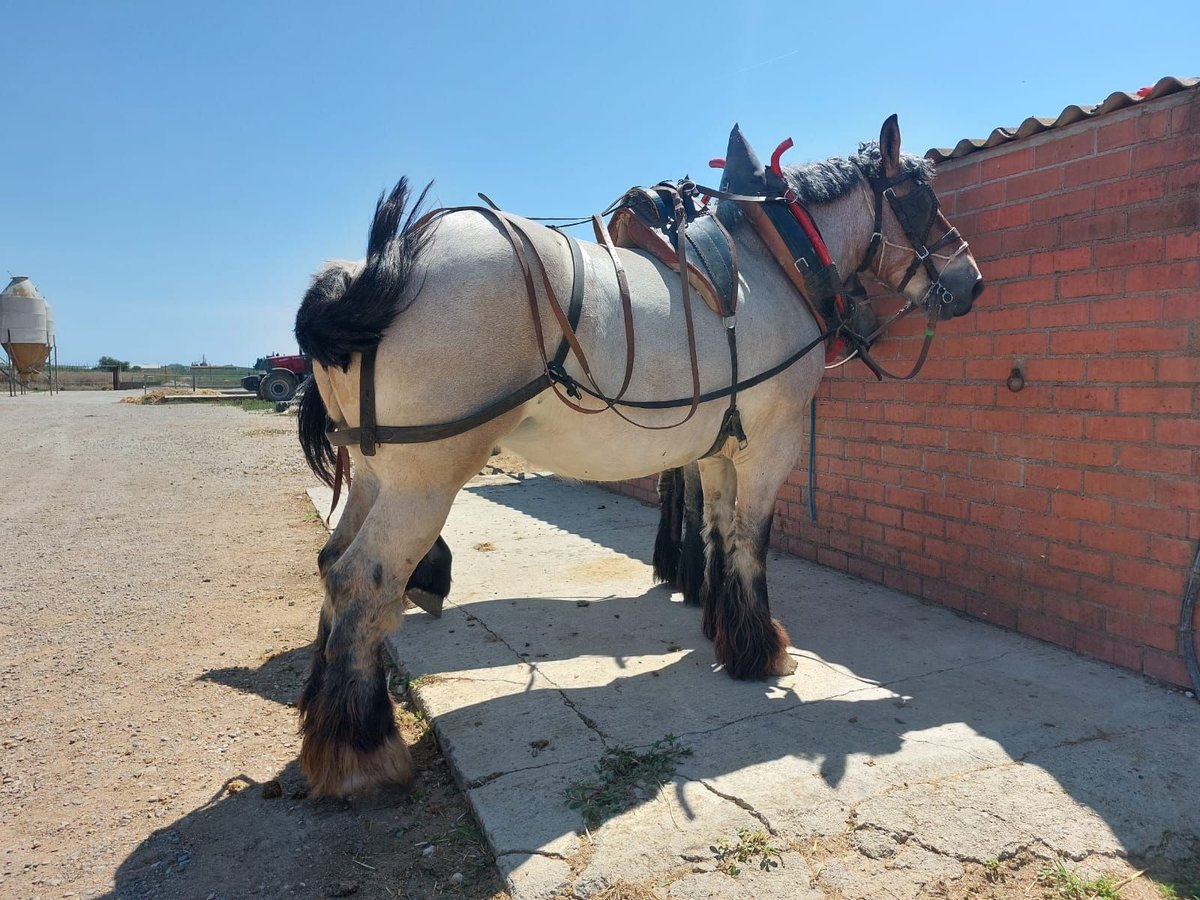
(889, 688)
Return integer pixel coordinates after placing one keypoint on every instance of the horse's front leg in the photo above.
(747, 641)
(350, 739)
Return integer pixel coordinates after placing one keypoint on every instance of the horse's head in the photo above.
(913, 248)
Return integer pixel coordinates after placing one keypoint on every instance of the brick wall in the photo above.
(1070, 510)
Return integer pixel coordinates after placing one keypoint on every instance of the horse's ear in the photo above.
(743, 173)
(889, 146)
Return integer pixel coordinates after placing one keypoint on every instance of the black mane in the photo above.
(822, 182)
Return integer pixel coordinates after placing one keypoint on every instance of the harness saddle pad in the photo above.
(709, 258)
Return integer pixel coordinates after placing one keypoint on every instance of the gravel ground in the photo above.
(158, 592)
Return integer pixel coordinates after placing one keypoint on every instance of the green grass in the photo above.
(626, 778)
(1069, 885)
(1180, 891)
(752, 844)
(255, 405)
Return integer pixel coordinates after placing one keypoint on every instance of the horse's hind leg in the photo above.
(670, 526)
(746, 640)
(691, 551)
(719, 480)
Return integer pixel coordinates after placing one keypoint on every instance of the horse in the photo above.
(441, 322)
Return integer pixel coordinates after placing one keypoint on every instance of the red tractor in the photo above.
(278, 377)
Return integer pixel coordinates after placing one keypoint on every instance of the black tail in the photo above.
(313, 421)
(341, 314)
(670, 526)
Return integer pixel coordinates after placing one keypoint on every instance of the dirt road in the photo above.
(158, 593)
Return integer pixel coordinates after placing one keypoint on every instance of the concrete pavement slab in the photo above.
(909, 743)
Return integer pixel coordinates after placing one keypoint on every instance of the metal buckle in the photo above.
(730, 322)
(923, 253)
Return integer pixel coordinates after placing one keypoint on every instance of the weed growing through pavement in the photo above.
(1069, 885)
(626, 777)
(752, 844)
(1187, 891)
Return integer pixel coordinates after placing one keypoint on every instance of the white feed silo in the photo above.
(26, 327)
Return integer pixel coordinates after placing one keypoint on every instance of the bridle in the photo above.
(916, 211)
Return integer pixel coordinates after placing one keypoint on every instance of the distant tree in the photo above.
(107, 362)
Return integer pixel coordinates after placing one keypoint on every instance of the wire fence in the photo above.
(193, 378)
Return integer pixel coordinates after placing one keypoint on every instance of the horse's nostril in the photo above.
(977, 289)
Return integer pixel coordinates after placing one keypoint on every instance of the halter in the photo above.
(916, 211)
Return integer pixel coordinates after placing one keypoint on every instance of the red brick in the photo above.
(1181, 212)
(1096, 399)
(1029, 291)
(1096, 283)
(1120, 541)
(1030, 344)
(1183, 178)
(945, 551)
(1157, 459)
(1172, 551)
(1072, 609)
(1057, 315)
(1129, 191)
(1182, 246)
(970, 489)
(993, 611)
(1125, 253)
(1181, 308)
(1011, 215)
(1163, 277)
(1075, 559)
(1039, 237)
(1055, 425)
(1166, 667)
(1151, 339)
(1019, 187)
(1067, 203)
(1084, 453)
(980, 196)
(1117, 134)
(1098, 168)
(1177, 494)
(1061, 369)
(1034, 499)
(1107, 648)
(947, 507)
(1002, 165)
(1133, 601)
(1069, 343)
(1094, 228)
(903, 497)
(1056, 631)
(1171, 152)
(1065, 148)
(1121, 369)
(1155, 399)
(1058, 478)
(1126, 309)
(1184, 432)
(953, 175)
(1114, 484)
(1054, 261)
(1007, 267)
(1087, 509)
(995, 319)
(1186, 118)
(1130, 429)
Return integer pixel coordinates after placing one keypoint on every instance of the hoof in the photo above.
(339, 771)
(781, 665)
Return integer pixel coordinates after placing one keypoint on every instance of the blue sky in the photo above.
(171, 173)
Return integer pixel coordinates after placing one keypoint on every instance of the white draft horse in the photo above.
(445, 309)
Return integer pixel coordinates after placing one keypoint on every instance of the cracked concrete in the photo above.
(910, 744)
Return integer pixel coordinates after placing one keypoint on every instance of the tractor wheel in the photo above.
(250, 383)
(277, 386)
